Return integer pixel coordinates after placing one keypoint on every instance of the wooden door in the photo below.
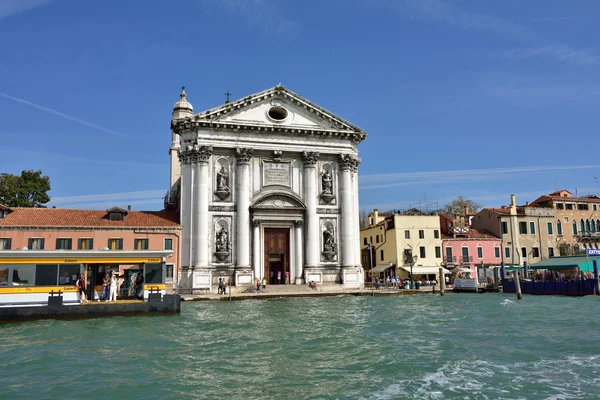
(276, 254)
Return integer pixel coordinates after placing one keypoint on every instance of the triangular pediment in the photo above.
(278, 107)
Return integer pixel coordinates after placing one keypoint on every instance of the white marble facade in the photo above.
(270, 162)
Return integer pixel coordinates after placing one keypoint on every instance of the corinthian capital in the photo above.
(349, 162)
(310, 157)
(243, 156)
(203, 154)
(185, 156)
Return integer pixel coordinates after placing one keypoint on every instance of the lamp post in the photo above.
(412, 277)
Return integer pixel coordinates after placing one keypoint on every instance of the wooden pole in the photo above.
(518, 285)
(596, 289)
(496, 280)
(442, 282)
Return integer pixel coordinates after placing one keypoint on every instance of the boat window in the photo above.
(45, 275)
(67, 274)
(23, 275)
(154, 273)
(3, 276)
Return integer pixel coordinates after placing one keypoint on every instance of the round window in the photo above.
(277, 113)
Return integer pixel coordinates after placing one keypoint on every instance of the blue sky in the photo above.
(472, 98)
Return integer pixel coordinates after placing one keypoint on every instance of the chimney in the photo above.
(375, 216)
(466, 210)
(129, 208)
(513, 204)
(526, 203)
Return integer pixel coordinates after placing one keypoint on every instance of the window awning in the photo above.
(426, 270)
(584, 263)
(382, 267)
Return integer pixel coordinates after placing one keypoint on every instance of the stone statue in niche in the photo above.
(327, 186)
(223, 179)
(222, 243)
(223, 190)
(329, 244)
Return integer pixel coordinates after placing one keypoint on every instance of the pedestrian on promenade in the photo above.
(287, 277)
(341, 283)
(114, 285)
(258, 286)
(80, 284)
(220, 289)
(264, 283)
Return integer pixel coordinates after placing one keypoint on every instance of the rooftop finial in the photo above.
(183, 94)
(227, 94)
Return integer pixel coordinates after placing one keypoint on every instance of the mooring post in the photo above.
(596, 278)
(496, 279)
(442, 282)
(517, 285)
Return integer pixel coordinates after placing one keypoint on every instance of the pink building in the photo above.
(114, 229)
(465, 247)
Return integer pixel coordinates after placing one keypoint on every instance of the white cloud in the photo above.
(105, 199)
(264, 14)
(8, 8)
(557, 52)
(452, 15)
(62, 115)
(445, 176)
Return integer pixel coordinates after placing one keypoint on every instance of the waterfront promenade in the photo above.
(279, 291)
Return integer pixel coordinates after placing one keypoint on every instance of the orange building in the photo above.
(113, 229)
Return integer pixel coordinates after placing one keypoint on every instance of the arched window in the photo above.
(593, 225)
(582, 225)
(587, 225)
(558, 227)
(574, 228)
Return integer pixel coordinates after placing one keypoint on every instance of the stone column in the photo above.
(310, 197)
(200, 209)
(256, 248)
(347, 164)
(356, 223)
(299, 242)
(242, 186)
(186, 193)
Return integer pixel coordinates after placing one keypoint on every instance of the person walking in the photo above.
(220, 289)
(114, 286)
(105, 288)
(80, 284)
(258, 286)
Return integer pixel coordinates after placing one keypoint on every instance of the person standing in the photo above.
(264, 283)
(80, 284)
(220, 289)
(114, 286)
(258, 286)
(105, 287)
(287, 277)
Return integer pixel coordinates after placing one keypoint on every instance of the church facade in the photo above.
(267, 188)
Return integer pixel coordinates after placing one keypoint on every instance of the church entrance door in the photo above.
(277, 255)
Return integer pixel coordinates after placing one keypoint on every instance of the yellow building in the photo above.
(399, 241)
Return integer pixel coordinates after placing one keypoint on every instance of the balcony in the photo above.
(587, 235)
(449, 260)
(466, 259)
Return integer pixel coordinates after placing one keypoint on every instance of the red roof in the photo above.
(60, 217)
(503, 211)
(473, 234)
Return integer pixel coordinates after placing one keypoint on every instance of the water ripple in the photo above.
(406, 347)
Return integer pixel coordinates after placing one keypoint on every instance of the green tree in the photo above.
(457, 206)
(363, 219)
(30, 189)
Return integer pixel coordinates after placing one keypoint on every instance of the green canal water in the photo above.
(467, 346)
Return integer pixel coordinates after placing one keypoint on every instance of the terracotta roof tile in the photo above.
(61, 217)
